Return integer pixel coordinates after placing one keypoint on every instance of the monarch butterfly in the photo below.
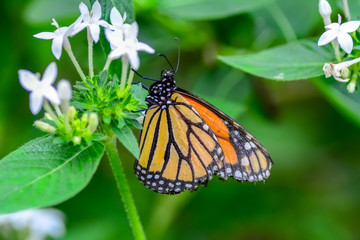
(185, 141)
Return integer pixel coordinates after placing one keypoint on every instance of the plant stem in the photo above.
(69, 51)
(346, 9)
(131, 77)
(124, 70)
(107, 64)
(335, 45)
(51, 112)
(90, 52)
(282, 22)
(124, 188)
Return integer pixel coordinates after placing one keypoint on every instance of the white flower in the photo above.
(117, 28)
(91, 20)
(39, 222)
(64, 90)
(116, 20)
(40, 89)
(340, 32)
(325, 11)
(128, 45)
(59, 36)
(339, 71)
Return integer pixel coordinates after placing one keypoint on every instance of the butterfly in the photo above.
(185, 141)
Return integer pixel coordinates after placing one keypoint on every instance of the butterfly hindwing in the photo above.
(244, 157)
(178, 149)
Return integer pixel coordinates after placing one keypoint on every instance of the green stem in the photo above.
(282, 22)
(346, 10)
(124, 70)
(107, 64)
(69, 51)
(335, 45)
(124, 188)
(90, 51)
(48, 109)
(131, 77)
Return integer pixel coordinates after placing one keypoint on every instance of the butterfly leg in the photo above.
(143, 85)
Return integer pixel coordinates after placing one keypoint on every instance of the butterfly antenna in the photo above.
(162, 55)
(178, 62)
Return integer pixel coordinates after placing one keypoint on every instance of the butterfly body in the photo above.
(186, 141)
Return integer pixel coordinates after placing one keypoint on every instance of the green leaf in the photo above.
(293, 61)
(127, 138)
(42, 11)
(337, 94)
(208, 9)
(42, 173)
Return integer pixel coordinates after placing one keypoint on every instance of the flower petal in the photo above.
(52, 95)
(96, 11)
(327, 37)
(50, 74)
(104, 23)
(45, 35)
(345, 42)
(71, 29)
(140, 46)
(56, 46)
(117, 53)
(84, 9)
(134, 59)
(36, 101)
(78, 28)
(115, 17)
(350, 26)
(131, 32)
(95, 32)
(28, 80)
(332, 26)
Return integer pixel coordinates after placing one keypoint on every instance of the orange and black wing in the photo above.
(178, 149)
(245, 158)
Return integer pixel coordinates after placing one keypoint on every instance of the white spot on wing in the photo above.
(245, 161)
(247, 146)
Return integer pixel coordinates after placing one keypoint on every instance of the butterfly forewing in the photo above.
(178, 149)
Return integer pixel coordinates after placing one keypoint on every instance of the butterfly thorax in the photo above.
(160, 92)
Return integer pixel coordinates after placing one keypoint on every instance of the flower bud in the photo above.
(72, 113)
(48, 116)
(344, 73)
(93, 122)
(351, 86)
(76, 140)
(45, 127)
(64, 90)
(325, 11)
(84, 120)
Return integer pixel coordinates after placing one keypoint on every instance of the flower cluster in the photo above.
(341, 35)
(37, 223)
(99, 97)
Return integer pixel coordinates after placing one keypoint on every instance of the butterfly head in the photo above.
(160, 92)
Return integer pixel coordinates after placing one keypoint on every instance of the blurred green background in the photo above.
(313, 191)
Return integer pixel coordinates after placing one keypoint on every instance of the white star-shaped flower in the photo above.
(125, 43)
(58, 36)
(339, 71)
(40, 89)
(340, 32)
(91, 20)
